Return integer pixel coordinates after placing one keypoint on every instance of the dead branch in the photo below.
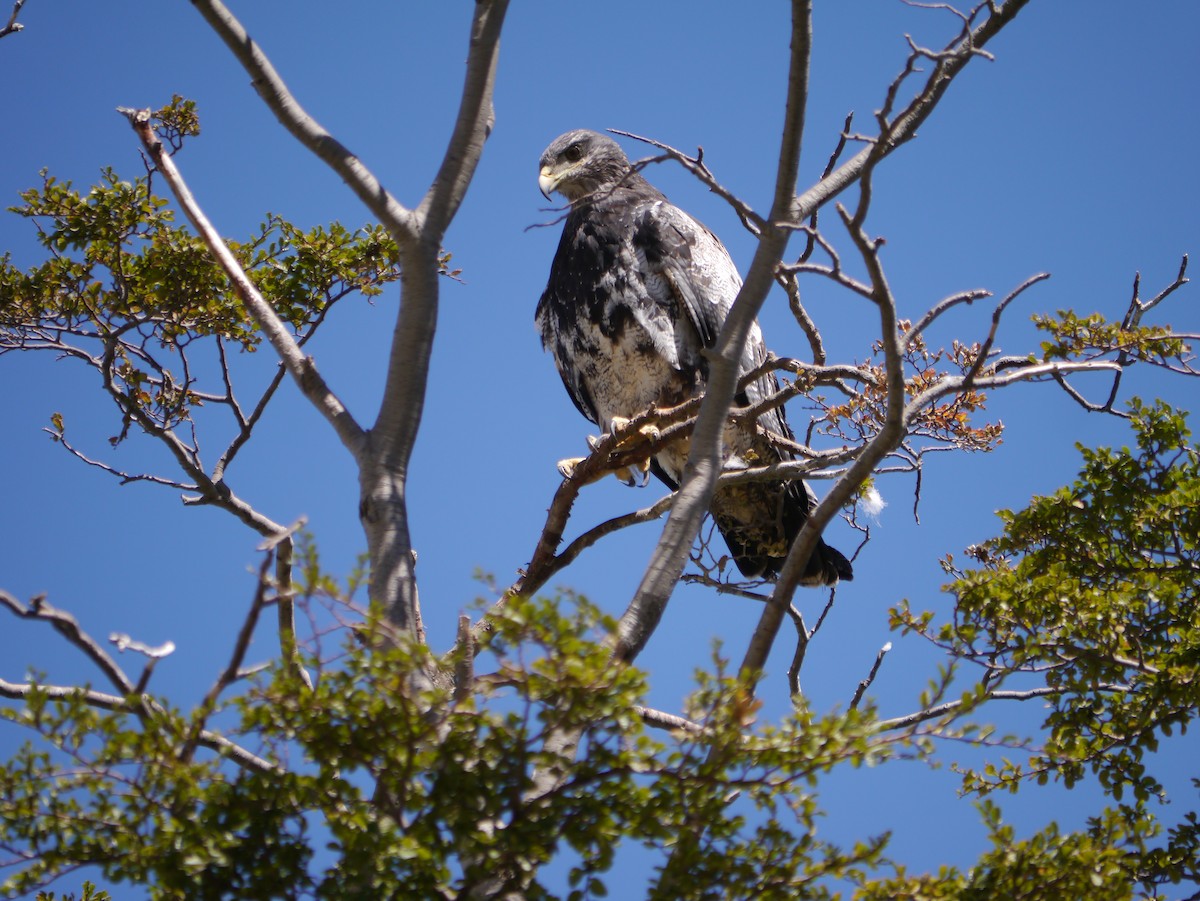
(131, 697)
(668, 721)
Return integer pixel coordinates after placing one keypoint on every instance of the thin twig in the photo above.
(135, 704)
(866, 683)
(230, 674)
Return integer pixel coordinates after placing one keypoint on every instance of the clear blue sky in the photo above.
(1072, 153)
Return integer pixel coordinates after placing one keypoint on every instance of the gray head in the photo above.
(582, 162)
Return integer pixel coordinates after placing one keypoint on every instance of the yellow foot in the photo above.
(566, 468)
(627, 439)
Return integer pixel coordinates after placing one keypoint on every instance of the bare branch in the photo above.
(919, 328)
(153, 654)
(884, 442)
(398, 220)
(904, 126)
(1131, 320)
(811, 332)
(129, 643)
(798, 655)
(949, 708)
(986, 347)
(669, 721)
(285, 599)
(125, 478)
(705, 458)
(67, 626)
(866, 683)
(383, 475)
(245, 424)
(474, 122)
(696, 166)
(231, 672)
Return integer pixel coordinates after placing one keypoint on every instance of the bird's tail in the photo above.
(826, 566)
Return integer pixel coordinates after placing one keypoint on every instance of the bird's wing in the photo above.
(704, 281)
(693, 264)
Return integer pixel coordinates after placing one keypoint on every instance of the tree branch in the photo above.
(473, 125)
(949, 707)
(383, 473)
(134, 704)
(301, 367)
(233, 669)
(67, 626)
(866, 683)
(398, 220)
(705, 457)
(904, 126)
(13, 25)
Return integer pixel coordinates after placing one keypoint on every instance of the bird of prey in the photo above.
(637, 291)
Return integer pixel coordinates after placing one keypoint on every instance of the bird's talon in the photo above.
(566, 468)
(625, 474)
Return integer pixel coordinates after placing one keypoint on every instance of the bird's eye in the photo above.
(573, 154)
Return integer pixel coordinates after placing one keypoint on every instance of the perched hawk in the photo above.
(638, 289)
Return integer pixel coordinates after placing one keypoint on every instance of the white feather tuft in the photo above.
(872, 502)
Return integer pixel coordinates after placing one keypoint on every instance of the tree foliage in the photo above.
(525, 762)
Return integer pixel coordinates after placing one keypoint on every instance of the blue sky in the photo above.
(1072, 153)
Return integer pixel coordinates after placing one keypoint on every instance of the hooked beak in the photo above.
(546, 182)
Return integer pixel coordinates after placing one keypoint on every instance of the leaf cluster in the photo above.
(1090, 337)
(1092, 592)
(128, 290)
(376, 788)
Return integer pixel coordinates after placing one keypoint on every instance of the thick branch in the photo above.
(705, 457)
(885, 441)
(474, 123)
(383, 471)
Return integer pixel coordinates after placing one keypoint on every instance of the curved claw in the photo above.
(566, 468)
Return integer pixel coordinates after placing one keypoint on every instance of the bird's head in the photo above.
(580, 163)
